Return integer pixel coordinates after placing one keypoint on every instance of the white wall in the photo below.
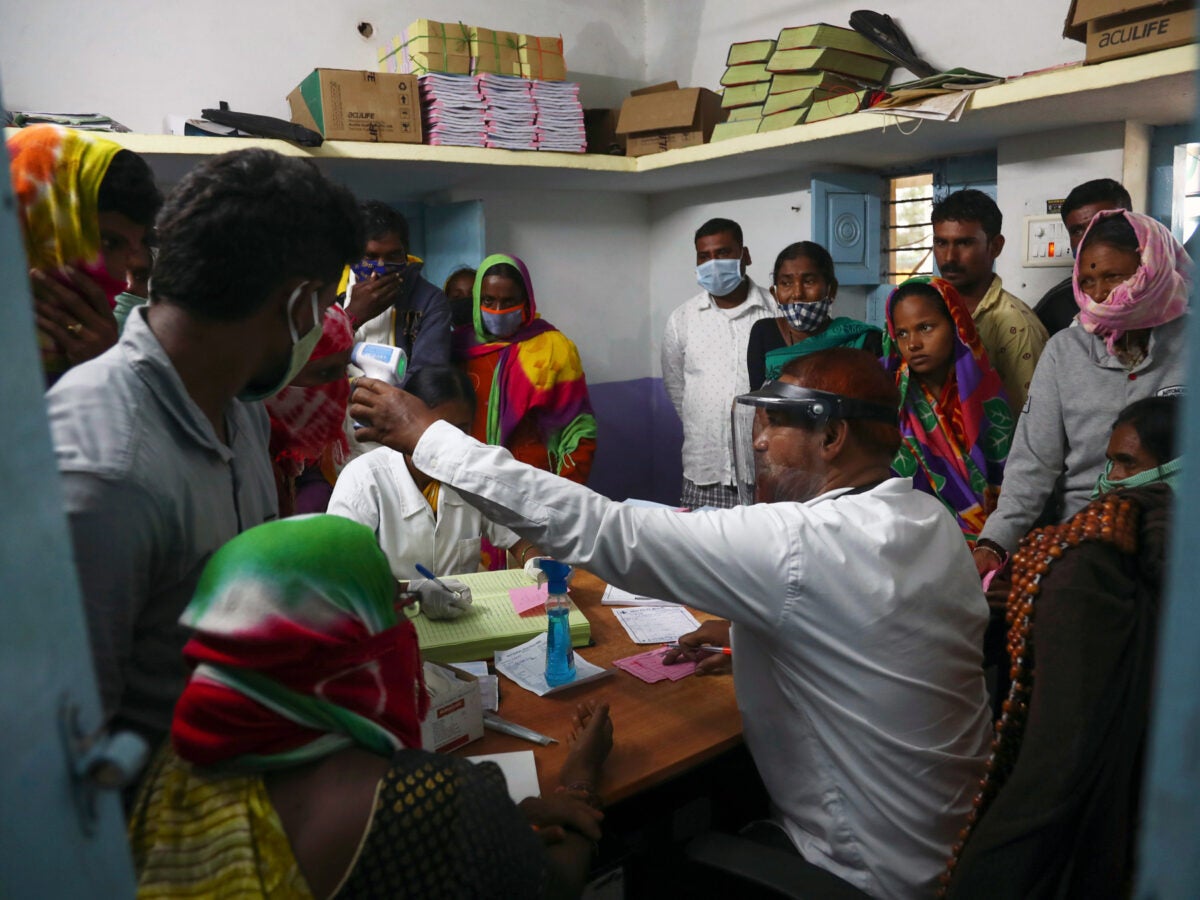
(138, 61)
(687, 40)
(1032, 169)
(586, 254)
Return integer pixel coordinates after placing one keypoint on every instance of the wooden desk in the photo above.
(659, 730)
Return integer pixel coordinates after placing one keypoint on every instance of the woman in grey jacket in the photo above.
(1131, 284)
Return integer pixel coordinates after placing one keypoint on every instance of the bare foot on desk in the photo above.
(590, 743)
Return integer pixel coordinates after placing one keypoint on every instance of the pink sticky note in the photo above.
(527, 599)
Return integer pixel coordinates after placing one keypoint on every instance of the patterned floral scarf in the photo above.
(56, 175)
(539, 373)
(299, 651)
(1156, 294)
(954, 446)
(306, 421)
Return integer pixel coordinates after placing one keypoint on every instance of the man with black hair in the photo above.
(1057, 308)
(389, 301)
(966, 242)
(704, 359)
(160, 442)
(857, 615)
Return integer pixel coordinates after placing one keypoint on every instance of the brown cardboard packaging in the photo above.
(542, 58)
(601, 128)
(667, 117)
(346, 105)
(455, 715)
(495, 51)
(1115, 28)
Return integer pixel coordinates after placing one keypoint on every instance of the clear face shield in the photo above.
(765, 471)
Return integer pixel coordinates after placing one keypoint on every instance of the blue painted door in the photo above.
(846, 220)
(454, 238)
(45, 664)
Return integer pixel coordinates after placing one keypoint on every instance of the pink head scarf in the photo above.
(307, 420)
(1156, 294)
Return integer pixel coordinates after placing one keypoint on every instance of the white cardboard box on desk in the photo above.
(455, 715)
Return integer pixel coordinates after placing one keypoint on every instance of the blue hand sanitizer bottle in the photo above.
(560, 658)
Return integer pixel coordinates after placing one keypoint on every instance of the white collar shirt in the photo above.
(704, 368)
(377, 490)
(857, 644)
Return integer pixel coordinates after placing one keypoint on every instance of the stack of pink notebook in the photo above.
(452, 110)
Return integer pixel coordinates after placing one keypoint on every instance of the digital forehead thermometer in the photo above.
(381, 361)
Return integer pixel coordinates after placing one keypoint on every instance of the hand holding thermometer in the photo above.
(381, 361)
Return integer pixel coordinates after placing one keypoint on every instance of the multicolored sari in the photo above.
(538, 382)
(56, 175)
(954, 445)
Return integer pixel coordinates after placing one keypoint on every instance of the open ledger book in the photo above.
(491, 623)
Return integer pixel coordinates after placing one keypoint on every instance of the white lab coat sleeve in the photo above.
(673, 348)
(737, 563)
(499, 535)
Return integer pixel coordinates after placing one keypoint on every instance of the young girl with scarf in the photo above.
(954, 416)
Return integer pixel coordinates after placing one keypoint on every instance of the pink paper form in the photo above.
(650, 668)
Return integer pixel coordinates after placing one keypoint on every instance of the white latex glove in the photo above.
(439, 603)
(532, 568)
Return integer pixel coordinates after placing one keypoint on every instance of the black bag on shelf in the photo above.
(884, 33)
(264, 126)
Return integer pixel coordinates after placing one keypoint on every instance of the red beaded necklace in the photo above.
(1111, 519)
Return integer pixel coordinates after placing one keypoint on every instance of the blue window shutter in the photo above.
(954, 173)
(454, 238)
(846, 221)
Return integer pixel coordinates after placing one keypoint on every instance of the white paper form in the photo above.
(655, 624)
(520, 772)
(526, 665)
(614, 596)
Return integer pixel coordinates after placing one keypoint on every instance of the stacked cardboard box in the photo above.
(667, 117)
(428, 46)
(542, 58)
(456, 49)
(747, 84)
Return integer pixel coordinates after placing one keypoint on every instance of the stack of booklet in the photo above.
(452, 110)
(559, 117)
(510, 115)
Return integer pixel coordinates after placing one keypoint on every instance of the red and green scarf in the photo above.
(298, 651)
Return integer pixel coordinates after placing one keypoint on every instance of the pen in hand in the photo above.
(702, 648)
(427, 574)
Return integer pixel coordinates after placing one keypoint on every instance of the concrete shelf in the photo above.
(1155, 89)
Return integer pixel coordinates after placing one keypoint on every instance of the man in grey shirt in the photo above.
(160, 443)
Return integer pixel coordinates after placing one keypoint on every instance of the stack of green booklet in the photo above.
(491, 623)
(747, 83)
(820, 71)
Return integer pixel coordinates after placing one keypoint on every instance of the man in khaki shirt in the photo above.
(966, 242)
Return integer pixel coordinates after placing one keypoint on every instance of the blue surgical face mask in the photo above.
(302, 347)
(1167, 473)
(720, 277)
(502, 323)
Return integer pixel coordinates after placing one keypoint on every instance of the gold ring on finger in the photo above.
(76, 328)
